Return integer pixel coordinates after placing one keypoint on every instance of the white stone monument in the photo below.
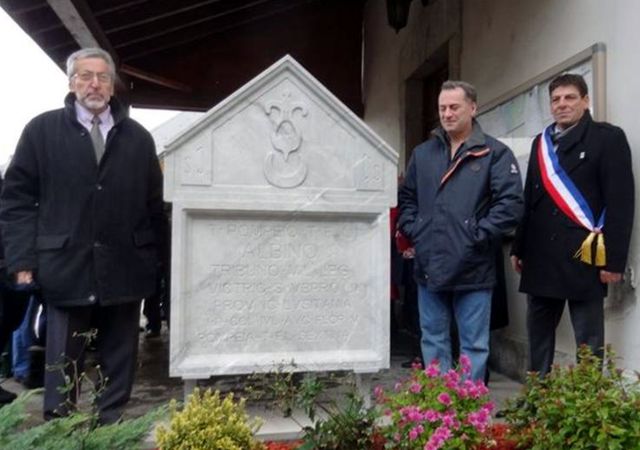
(281, 237)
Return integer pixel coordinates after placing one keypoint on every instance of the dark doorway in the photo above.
(421, 99)
(431, 90)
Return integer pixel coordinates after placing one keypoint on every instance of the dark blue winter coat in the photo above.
(456, 210)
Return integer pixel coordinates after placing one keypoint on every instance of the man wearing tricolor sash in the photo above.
(461, 194)
(574, 237)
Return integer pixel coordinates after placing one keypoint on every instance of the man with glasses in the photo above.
(81, 216)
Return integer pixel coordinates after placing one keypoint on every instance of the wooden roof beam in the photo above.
(192, 23)
(155, 79)
(78, 19)
(154, 18)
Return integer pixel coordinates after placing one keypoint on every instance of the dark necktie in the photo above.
(96, 138)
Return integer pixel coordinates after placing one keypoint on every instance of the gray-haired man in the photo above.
(81, 215)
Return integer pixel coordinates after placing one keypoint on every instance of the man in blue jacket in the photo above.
(461, 195)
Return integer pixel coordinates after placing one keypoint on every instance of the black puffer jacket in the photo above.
(455, 211)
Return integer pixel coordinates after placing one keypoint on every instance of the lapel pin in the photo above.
(581, 155)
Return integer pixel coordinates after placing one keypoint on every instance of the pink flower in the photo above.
(489, 407)
(415, 432)
(431, 416)
(445, 399)
(482, 389)
(438, 438)
(462, 392)
(433, 369)
(415, 388)
(479, 419)
(465, 364)
(411, 413)
(378, 392)
(449, 420)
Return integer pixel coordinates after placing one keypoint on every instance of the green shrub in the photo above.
(580, 408)
(208, 422)
(75, 432)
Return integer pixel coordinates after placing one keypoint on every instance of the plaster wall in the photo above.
(507, 42)
(502, 44)
(392, 59)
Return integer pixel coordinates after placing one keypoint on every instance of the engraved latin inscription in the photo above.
(268, 285)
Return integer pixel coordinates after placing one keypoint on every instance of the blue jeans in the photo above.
(472, 312)
(21, 342)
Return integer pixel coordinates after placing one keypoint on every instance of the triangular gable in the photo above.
(283, 130)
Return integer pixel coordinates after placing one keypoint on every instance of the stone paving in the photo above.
(153, 388)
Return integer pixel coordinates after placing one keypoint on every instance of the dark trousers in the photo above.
(117, 347)
(13, 306)
(543, 316)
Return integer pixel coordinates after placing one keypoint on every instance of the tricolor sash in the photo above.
(570, 200)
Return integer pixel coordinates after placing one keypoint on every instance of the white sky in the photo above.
(30, 83)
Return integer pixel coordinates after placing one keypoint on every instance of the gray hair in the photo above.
(90, 52)
(469, 90)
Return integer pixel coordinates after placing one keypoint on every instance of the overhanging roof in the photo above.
(191, 54)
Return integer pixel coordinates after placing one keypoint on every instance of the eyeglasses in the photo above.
(103, 78)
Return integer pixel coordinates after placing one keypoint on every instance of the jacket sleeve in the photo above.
(408, 200)
(506, 203)
(616, 179)
(19, 204)
(517, 248)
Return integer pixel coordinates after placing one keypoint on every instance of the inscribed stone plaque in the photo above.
(280, 287)
(280, 251)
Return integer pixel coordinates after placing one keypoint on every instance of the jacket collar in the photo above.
(118, 112)
(576, 134)
(475, 139)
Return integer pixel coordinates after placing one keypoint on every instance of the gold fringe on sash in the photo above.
(584, 253)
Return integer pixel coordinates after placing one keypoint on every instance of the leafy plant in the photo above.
(431, 411)
(74, 432)
(580, 407)
(286, 389)
(74, 378)
(209, 422)
(351, 427)
(346, 427)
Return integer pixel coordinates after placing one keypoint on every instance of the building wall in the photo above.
(507, 42)
(390, 59)
(504, 43)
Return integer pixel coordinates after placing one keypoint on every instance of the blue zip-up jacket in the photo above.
(456, 210)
